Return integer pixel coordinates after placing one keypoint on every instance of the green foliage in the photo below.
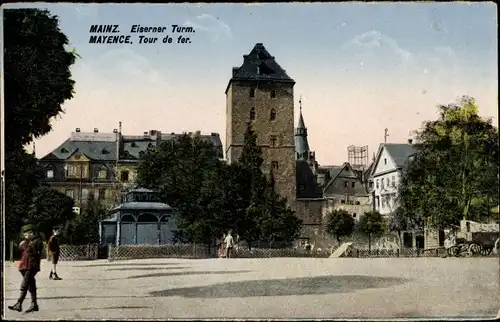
(37, 73)
(84, 228)
(372, 224)
(50, 208)
(251, 156)
(340, 224)
(454, 175)
(37, 81)
(213, 197)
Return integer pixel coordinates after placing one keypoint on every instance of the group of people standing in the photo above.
(31, 247)
(227, 245)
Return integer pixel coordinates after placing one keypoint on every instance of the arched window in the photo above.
(272, 117)
(252, 113)
(147, 218)
(127, 218)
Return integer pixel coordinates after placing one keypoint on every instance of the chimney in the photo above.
(146, 134)
(115, 130)
(235, 70)
(410, 141)
(214, 134)
(96, 130)
(198, 133)
(172, 133)
(77, 130)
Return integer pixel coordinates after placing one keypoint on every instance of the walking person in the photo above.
(222, 248)
(29, 265)
(229, 241)
(54, 249)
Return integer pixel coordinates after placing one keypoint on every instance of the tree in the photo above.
(372, 224)
(37, 81)
(340, 224)
(50, 208)
(186, 172)
(278, 222)
(454, 173)
(84, 228)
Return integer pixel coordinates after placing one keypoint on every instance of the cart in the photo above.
(475, 239)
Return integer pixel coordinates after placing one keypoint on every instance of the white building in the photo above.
(386, 175)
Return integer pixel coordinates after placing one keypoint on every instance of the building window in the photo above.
(252, 113)
(273, 140)
(102, 194)
(342, 201)
(274, 165)
(273, 94)
(370, 184)
(252, 92)
(353, 184)
(272, 117)
(385, 161)
(377, 184)
(382, 183)
(50, 174)
(354, 215)
(387, 181)
(377, 200)
(358, 203)
(383, 201)
(70, 193)
(102, 173)
(346, 184)
(85, 194)
(393, 181)
(124, 176)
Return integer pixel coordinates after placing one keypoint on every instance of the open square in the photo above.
(264, 288)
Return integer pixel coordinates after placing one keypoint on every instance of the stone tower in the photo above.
(261, 92)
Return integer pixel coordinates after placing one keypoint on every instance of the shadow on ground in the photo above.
(284, 287)
(114, 264)
(188, 273)
(144, 268)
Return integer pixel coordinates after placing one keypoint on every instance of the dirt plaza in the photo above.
(263, 288)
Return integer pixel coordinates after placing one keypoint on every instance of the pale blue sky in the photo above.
(361, 67)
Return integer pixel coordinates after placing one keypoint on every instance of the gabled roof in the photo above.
(398, 152)
(260, 65)
(94, 150)
(335, 171)
(305, 178)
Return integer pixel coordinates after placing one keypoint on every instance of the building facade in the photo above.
(261, 93)
(101, 166)
(386, 174)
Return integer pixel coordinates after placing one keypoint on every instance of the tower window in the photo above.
(353, 184)
(252, 92)
(273, 93)
(272, 117)
(252, 113)
(273, 140)
(346, 183)
(274, 165)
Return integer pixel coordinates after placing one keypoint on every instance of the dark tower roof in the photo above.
(301, 144)
(259, 65)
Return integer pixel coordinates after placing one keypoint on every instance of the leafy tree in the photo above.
(37, 81)
(340, 224)
(84, 228)
(251, 156)
(372, 224)
(50, 208)
(278, 222)
(186, 173)
(454, 174)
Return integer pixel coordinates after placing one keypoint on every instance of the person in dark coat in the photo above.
(29, 265)
(53, 247)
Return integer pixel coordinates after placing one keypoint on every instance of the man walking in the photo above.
(29, 265)
(229, 241)
(53, 247)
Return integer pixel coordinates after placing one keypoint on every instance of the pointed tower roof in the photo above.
(259, 65)
(301, 143)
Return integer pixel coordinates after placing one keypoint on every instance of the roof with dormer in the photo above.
(260, 65)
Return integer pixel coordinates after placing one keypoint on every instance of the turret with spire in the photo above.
(301, 144)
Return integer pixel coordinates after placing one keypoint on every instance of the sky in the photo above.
(360, 67)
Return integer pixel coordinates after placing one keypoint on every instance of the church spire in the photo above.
(301, 144)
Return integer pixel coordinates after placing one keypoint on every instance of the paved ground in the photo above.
(264, 288)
